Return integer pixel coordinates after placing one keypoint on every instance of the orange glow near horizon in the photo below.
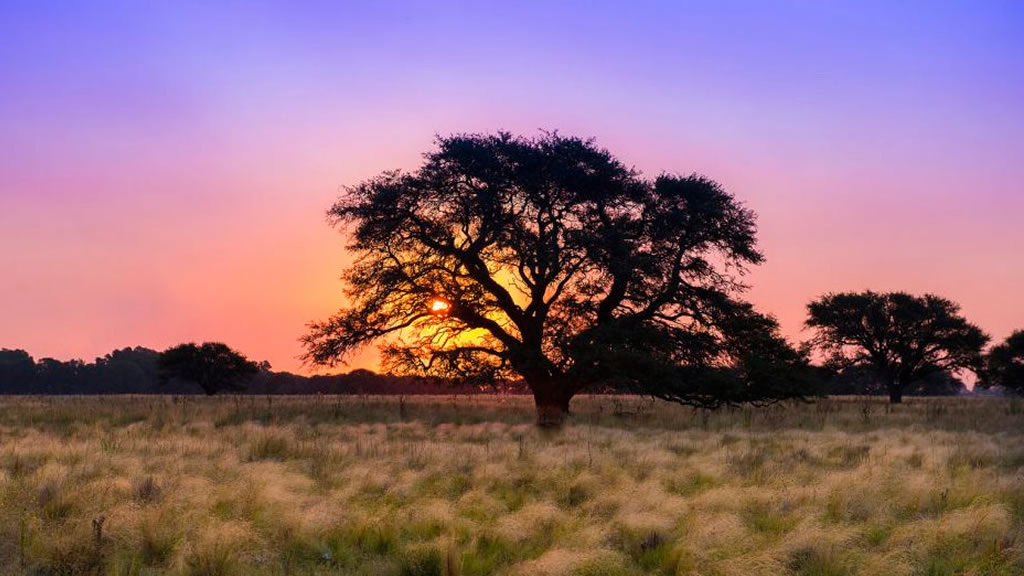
(439, 306)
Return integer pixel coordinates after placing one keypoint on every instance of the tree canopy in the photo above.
(16, 366)
(547, 259)
(901, 337)
(1004, 364)
(213, 366)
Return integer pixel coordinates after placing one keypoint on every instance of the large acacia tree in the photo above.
(547, 259)
(900, 337)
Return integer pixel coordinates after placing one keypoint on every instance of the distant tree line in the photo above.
(138, 371)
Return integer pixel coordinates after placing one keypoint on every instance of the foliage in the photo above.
(865, 381)
(16, 366)
(122, 371)
(212, 365)
(135, 371)
(1004, 364)
(548, 259)
(902, 338)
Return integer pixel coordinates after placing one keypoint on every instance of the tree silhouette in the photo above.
(17, 371)
(55, 376)
(903, 338)
(865, 381)
(211, 365)
(547, 259)
(124, 370)
(1004, 364)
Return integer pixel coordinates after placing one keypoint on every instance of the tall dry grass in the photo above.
(464, 486)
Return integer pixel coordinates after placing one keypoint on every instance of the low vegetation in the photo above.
(470, 486)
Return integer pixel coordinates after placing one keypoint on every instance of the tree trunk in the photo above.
(895, 392)
(552, 401)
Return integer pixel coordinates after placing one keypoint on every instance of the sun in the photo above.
(439, 306)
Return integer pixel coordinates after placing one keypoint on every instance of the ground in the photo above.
(468, 485)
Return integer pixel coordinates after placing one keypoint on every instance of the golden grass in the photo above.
(464, 486)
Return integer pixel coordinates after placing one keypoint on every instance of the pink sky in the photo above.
(164, 175)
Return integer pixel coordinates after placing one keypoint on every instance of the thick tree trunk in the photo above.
(552, 401)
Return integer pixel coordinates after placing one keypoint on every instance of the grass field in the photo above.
(465, 486)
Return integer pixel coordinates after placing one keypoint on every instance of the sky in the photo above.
(166, 167)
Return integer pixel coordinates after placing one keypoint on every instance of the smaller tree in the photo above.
(212, 366)
(1004, 365)
(902, 338)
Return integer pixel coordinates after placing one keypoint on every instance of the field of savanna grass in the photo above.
(469, 486)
